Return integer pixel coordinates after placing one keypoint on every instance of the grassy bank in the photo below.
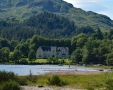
(100, 67)
(66, 61)
(77, 81)
(81, 81)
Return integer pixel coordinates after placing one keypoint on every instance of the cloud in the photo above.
(88, 5)
(98, 6)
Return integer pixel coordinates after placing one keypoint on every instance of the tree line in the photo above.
(94, 49)
(44, 24)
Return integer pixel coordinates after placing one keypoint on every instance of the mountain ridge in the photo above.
(23, 9)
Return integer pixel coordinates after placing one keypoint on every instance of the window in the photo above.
(39, 55)
(45, 56)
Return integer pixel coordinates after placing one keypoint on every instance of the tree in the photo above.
(109, 60)
(32, 55)
(103, 50)
(78, 41)
(86, 56)
(4, 54)
(16, 56)
(50, 59)
(110, 34)
(4, 43)
(53, 60)
(13, 44)
(90, 51)
(73, 43)
(81, 39)
(24, 48)
(36, 41)
(77, 56)
(98, 34)
(23, 61)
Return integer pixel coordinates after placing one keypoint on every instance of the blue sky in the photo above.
(99, 6)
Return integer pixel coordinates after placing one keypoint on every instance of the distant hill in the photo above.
(23, 9)
(44, 24)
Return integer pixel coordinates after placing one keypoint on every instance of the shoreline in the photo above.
(72, 72)
(62, 72)
(47, 88)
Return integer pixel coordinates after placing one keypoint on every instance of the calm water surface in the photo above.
(40, 69)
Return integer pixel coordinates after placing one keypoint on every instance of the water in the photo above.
(40, 69)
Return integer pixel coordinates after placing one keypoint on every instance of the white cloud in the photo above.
(99, 6)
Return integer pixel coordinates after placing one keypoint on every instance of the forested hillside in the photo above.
(24, 9)
(27, 24)
(45, 24)
(20, 40)
(94, 49)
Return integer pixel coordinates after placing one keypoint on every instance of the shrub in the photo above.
(32, 77)
(23, 61)
(10, 85)
(22, 81)
(55, 80)
(90, 88)
(109, 84)
(5, 76)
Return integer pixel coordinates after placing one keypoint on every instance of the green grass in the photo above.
(78, 81)
(101, 67)
(67, 61)
(41, 60)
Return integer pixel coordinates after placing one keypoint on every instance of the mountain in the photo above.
(44, 24)
(23, 9)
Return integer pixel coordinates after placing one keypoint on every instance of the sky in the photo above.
(99, 6)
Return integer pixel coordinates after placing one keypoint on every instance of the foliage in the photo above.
(95, 81)
(23, 61)
(16, 55)
(94, 47)
(28, 8)
(6, 76)
(22, 81)
(32, 77)
(109, 84)
(90, 88)
(31, 55)
(55, 80)
(4, 54)
(45, 24)
(8, 81)
(77, 56)
(10, 85)
(55, 60)
(109, 60)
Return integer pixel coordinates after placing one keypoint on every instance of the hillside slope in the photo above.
(44, 24)
(23, 9)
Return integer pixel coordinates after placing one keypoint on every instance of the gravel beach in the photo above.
(46, 88)
(73, 72)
